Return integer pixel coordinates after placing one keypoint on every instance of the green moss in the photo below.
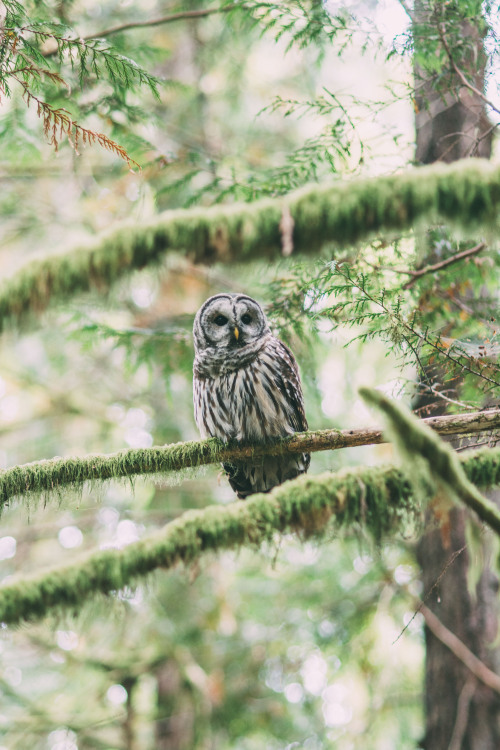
(56, 477)
(379, 501)
(464, 194)
(373, 499)
(440, 463)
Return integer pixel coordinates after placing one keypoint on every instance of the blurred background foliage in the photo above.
(291, 646)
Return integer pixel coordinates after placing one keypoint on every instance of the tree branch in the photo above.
(53, 476)
(414, 438)
(415, 275)
(183, 15)
(379, 500)
(466, 194)
(457, 647)
(462, 713)
(463, 79)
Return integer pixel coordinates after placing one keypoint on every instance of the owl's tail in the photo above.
(261, 475)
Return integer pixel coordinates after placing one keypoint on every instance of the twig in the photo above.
(440, 394)
(415, 275)
(180, 16)
(460, 650)
(491, 443)
(449, 297)
(478, 139)
(441, 29)
(434, 586)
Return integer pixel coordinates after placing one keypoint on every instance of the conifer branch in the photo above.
(379, 500)
(466, 194)
(410, 332)
(465, 254)
(57, 122)
(53, 476)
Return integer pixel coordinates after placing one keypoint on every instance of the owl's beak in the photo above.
(236, 334)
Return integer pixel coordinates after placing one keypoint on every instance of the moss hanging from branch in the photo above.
(415, 439)
(465, 194)
(379, 500)
(43, 478)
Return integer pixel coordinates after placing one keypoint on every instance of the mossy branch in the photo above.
(465, 194)
(53, 476)
(415, 439)
(379, 500)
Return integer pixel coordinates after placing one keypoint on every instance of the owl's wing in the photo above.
(287, 380)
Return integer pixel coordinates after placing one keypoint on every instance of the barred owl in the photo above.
(247, 388)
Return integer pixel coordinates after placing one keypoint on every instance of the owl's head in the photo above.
(229, 321)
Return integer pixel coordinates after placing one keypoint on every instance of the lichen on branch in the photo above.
(338, 214)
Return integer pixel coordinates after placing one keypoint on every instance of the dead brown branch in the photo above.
(415, 275)
(184, 15)
(483, 673)
(469, 253)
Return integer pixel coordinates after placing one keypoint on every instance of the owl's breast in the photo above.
(243, 404)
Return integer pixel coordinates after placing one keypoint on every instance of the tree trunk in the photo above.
(461, 713)
(174, 724)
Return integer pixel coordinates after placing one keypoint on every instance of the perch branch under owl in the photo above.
(52, 476)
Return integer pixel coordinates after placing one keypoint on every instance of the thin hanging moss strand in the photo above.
(465, 194)
(378, 499)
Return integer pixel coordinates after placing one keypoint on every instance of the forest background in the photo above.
(115, 112)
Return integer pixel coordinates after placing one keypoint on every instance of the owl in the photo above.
(246, 388)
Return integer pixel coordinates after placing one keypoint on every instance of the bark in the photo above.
(461, 712)
(451, 124)
(473, 619)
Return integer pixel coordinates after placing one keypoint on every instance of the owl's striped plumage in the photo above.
(246, 388)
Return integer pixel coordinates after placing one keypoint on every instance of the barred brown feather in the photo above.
(246, 388)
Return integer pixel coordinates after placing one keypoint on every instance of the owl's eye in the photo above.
(220, 320)
(246, 318)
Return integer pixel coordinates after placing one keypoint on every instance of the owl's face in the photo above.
(229, 321)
